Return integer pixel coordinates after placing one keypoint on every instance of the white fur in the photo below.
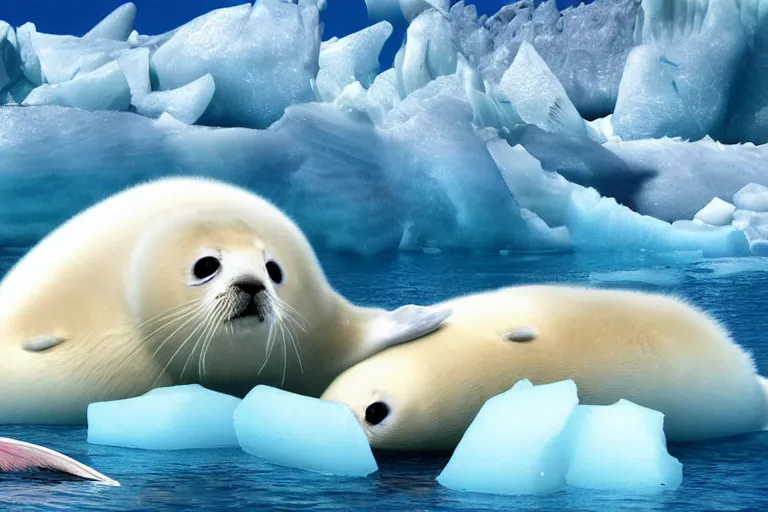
(654, 350)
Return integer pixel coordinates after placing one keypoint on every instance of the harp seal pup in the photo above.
(178, 281)
(654, 350)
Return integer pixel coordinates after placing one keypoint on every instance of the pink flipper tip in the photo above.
(20, 456)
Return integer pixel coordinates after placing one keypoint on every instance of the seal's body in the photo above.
(653, 350)
(177, 281)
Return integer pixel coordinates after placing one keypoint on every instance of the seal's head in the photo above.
(215, 291)
(398, 403)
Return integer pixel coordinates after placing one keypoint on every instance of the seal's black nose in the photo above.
(249, 285)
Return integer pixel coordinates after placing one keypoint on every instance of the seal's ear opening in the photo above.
(376, 412)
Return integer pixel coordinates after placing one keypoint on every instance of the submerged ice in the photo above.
(537, 439)
(533, 129)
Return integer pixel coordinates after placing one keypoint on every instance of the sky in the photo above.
(342, 17)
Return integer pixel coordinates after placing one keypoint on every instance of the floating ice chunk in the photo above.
(537, 94)
(272, 424)
(598, 223)
(262, 59)
(728, 267)
(513, 445)
(620, 447)
(63, 57)
(716, 213)
(135, 67)
(172, 418)
(117, 26)
(30, 63)
(678, 83)
(428, 53)
(186, 103)
(354, 58)
(10, 59)
(650, 276)
(752, 197)
(536, 439)
(102, 89)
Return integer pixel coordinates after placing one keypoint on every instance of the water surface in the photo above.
(727, 475)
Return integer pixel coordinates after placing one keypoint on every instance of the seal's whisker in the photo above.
(295, 349)
(180, 347)
(270, 344)
(184, 309)
(206, 322)
(218, 317)
(192, 316)
(290, 312)
(285, 353)
(171, 321)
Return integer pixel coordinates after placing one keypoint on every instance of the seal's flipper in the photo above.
(20, 456)
(42, 343)
(404, 324)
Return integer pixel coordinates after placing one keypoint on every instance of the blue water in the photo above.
(727, 475)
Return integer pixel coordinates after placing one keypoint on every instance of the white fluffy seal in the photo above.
(653, 350)
(177, 281)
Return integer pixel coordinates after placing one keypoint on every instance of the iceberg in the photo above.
(537, 94)
(600, 224)
(354, 58)
(428, 53)
(105, 88)
(63, 57)
(262, 58)
(272, 424)
(173, 418)
(678, 81)
(116, 26)
(10, 59)
(135, 66)
(704, 169)
(30, 62)
(187, 103)
(585, 47)
(487, 134)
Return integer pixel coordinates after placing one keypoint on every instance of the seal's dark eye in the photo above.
(206, 267)
(376, 413)
(275, 272)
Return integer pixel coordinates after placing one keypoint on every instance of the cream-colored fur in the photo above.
(114, 284)
(653, 350)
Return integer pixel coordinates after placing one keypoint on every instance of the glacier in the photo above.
(530, 130)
